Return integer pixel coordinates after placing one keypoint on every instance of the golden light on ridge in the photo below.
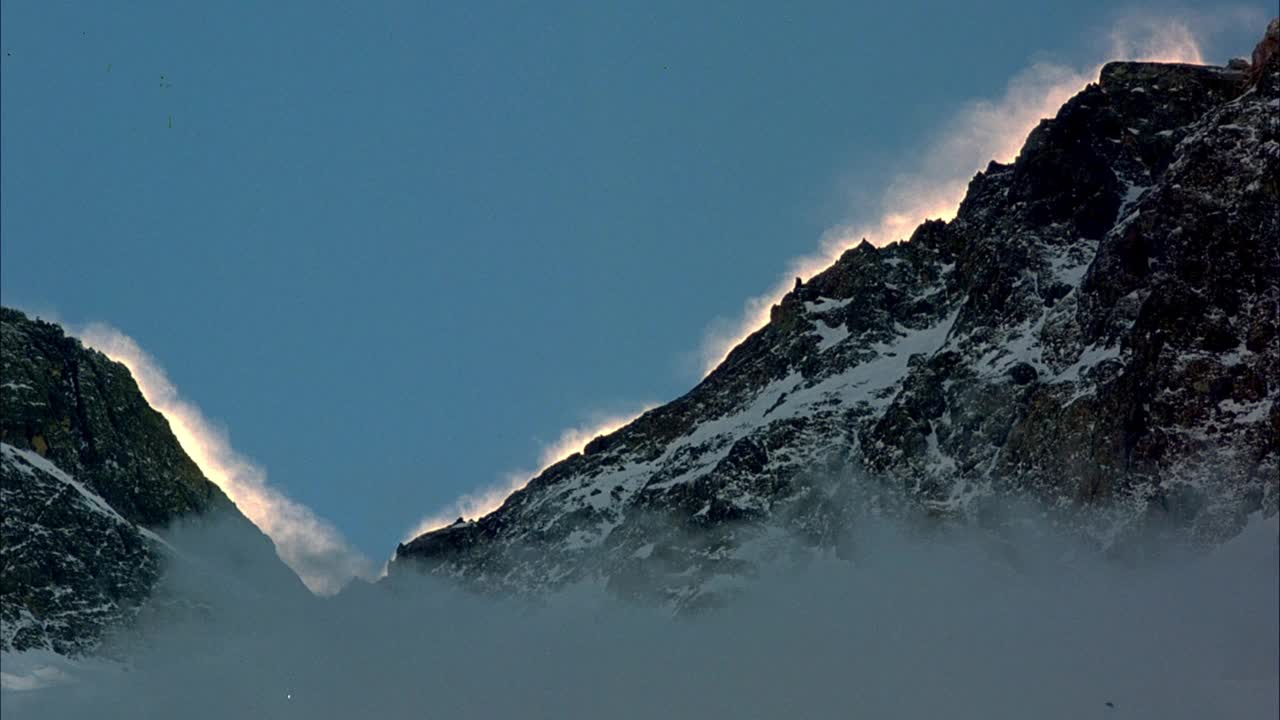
(483, 502)
(313, 548)
(981, 132)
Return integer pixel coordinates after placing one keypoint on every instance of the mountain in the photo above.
(91, 481)
(1095, 333)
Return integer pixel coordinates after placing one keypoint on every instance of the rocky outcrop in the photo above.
(1096, 331)
(90, 477)
(72, 565)
(1266, 50)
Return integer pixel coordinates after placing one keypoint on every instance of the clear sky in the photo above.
(396, 248)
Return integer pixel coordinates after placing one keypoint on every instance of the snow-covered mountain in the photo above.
(1096, 333)
(91, 481)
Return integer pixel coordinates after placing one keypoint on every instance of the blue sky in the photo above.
(396, 248)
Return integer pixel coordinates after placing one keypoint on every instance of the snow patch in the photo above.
(26, 461)
(825, 305)
(829, 337)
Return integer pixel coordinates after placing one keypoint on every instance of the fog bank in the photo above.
(955, 626)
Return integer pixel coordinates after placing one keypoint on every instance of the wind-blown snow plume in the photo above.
(313, 548)
(983, 130)
(483, 502)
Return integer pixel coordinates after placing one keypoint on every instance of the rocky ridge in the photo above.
(90, 479)
(1095, 331)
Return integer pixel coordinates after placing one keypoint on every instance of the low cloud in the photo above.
(960, 625)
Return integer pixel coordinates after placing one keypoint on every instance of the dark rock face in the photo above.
(88, 473)
(72, 566)
(84, 413)
(1266, 50)
(1095, 330)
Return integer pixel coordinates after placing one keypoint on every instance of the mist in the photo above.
(959, 624)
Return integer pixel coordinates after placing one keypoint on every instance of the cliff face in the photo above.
(90, 476)
(1096, 330)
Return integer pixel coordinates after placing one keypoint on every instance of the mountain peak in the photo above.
(91, 480)
(1063, 340)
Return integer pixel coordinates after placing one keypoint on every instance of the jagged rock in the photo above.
(1096, 330)
(1264, 54)
(90, 476)
(72, 565)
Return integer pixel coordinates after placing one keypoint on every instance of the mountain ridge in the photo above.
(92, 480)
(1093, 336)
(1064, 338)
